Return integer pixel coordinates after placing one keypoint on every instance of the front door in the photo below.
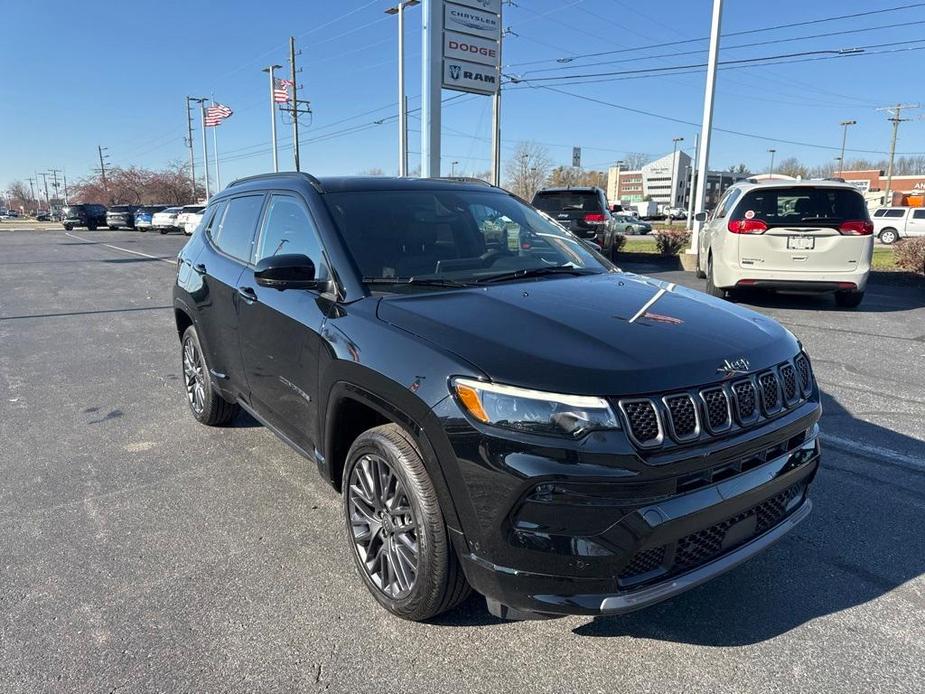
(280, 331)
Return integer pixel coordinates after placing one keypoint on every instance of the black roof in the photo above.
(349, 184)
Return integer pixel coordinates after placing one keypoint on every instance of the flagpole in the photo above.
(218, 173)
(205, 145)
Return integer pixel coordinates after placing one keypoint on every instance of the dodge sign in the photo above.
(470, 77)
(462, 47)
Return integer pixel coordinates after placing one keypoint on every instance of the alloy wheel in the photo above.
(193, 372)
(383, 526)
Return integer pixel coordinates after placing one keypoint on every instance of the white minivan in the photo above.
(791, 235)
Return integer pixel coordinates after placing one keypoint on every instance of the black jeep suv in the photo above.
(500, 406)
(584, 212)
(90, 216)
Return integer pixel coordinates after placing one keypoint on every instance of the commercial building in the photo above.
(872, 182)
(667, 181)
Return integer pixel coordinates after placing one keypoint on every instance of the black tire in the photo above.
(889, 236)
(92, 227)
(207, 406)
(438, 583)
(113, 228)
(849, 299)
(701, 275)
(68, 227)
(143, 230)
(163, 231)
(712, 289)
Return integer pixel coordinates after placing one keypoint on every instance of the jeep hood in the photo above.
(610, 334)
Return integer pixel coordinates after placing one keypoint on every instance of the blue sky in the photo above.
(116, 73)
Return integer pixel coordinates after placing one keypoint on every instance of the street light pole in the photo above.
(399, 10)
(707, 125)
(844, 139)
(771, 170)
(270, 70)
(431, 84)
(672, 197)
(205, 141)
(453, 168)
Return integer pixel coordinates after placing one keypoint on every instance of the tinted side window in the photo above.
(918, 214)
(213, 217)
(287, 228)
(236, 232)
(879, 213)
(894, 213)
(728, 202)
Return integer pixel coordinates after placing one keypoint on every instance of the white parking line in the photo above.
(876, 452)
(117, 248)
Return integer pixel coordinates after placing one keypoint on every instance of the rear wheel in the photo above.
(163, 231)
(849, 299)
(92, 227)
(712, 289)
(394, 523)
(68, 227)
(113, 228)
(206, 404)
(889, 236)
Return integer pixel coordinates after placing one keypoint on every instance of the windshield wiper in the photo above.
(416, 281)
(536, 272)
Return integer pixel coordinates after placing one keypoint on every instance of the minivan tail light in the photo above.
(856, 227)
(594, 218)
(747, 226)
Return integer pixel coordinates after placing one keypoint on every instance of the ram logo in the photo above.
(454, 71)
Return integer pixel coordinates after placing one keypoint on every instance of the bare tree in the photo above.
(18, 196)
(791, 166)
(527, 171)
(633, 161)
(137, 186)
(373, 171)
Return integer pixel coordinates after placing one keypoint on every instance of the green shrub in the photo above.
(671, 241)
(909, 254)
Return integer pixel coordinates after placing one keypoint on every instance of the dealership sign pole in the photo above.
(462, 52)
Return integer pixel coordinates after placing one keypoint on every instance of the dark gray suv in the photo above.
(584, 212)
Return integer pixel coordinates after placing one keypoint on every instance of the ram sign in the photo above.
(470, 77)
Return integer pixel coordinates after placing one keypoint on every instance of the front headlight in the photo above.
(533, 411)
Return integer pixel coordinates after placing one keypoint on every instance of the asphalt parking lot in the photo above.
(140, 551)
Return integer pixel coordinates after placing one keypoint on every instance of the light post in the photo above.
(844, 139)
(771, 170)
(399, 10)
(453, 168)
(671, 195)
(840, 164)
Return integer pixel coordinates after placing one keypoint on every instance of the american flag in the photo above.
(216, 113)
(281, 91)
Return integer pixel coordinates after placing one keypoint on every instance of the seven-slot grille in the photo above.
(651, 420)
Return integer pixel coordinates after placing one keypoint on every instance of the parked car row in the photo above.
(136, 217)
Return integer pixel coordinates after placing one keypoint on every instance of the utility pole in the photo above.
(707, 125)
(690, 197)
(270, 70)
(189, 144)
(45, 183)
(399, 10)
(895, 118)
(64, 175)
(54, 181)
(672, 197)
(771, 170)
(32, 187)
(496, 109)
(100, 149)
(205, 141)
(844, 140)
(431, 84)
(295, 103)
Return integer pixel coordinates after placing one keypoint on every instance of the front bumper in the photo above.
(582, 533)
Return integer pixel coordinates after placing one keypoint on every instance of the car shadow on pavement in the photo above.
(862, 541)
(884, 298)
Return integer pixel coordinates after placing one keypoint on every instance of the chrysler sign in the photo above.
(470, 77)
(469, 20)
(472, 48)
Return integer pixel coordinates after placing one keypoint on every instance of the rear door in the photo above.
(229, 238)
(916, 224)
(806, 229)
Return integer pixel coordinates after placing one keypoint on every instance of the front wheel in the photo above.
(68, 227)
(163, 231)
(889, 236)
(92, 227)
(206, 404)
(848, 299)
(113, 228)
(400, 542)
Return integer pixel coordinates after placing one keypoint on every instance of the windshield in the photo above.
(802, 206)
(567, 200)
(459, 236)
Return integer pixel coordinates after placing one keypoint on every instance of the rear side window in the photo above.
(918, 214)
(213, 217)
(567, 200)
(236, 232)
(894, 214)
(801, 206)
(728, 202)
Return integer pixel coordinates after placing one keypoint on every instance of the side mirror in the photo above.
(700, 217)
(286, 271)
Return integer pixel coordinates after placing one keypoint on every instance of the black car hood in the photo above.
(599, 334)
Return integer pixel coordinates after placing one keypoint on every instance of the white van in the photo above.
(804, 236)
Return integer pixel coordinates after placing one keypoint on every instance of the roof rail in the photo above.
(466, 179)
(314, 182)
